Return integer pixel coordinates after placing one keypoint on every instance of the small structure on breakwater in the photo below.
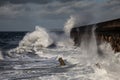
(108, 31)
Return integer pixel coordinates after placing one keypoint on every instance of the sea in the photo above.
(34, 56)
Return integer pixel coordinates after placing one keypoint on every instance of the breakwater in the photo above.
(107, 31)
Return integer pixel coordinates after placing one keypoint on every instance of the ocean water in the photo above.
(34, 56)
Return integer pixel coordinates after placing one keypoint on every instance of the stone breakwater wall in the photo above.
(112, 38)
(108, 31)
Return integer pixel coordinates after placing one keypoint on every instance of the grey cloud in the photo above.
(55, 12)
(56, 9)
(13, 11)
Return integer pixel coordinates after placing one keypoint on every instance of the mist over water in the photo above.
(33, 59)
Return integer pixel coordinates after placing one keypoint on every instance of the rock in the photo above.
(98, 65)
(61, 61)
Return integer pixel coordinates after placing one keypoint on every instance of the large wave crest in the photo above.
(35, 40)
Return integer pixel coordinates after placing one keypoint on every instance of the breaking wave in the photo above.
(40, 38)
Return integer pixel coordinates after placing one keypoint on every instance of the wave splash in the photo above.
(35, 40)
(73, 21)
(39, 37)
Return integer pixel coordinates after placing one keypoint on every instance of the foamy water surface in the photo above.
(33, 59)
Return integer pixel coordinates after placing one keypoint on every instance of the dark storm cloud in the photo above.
(2, 2)
(24, 1)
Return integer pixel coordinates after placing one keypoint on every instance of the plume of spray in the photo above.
(71, 23)
(76, 20)
(89, 45)
(65, 39)
(35, 40)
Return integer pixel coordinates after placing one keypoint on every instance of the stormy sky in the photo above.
(24, 15)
